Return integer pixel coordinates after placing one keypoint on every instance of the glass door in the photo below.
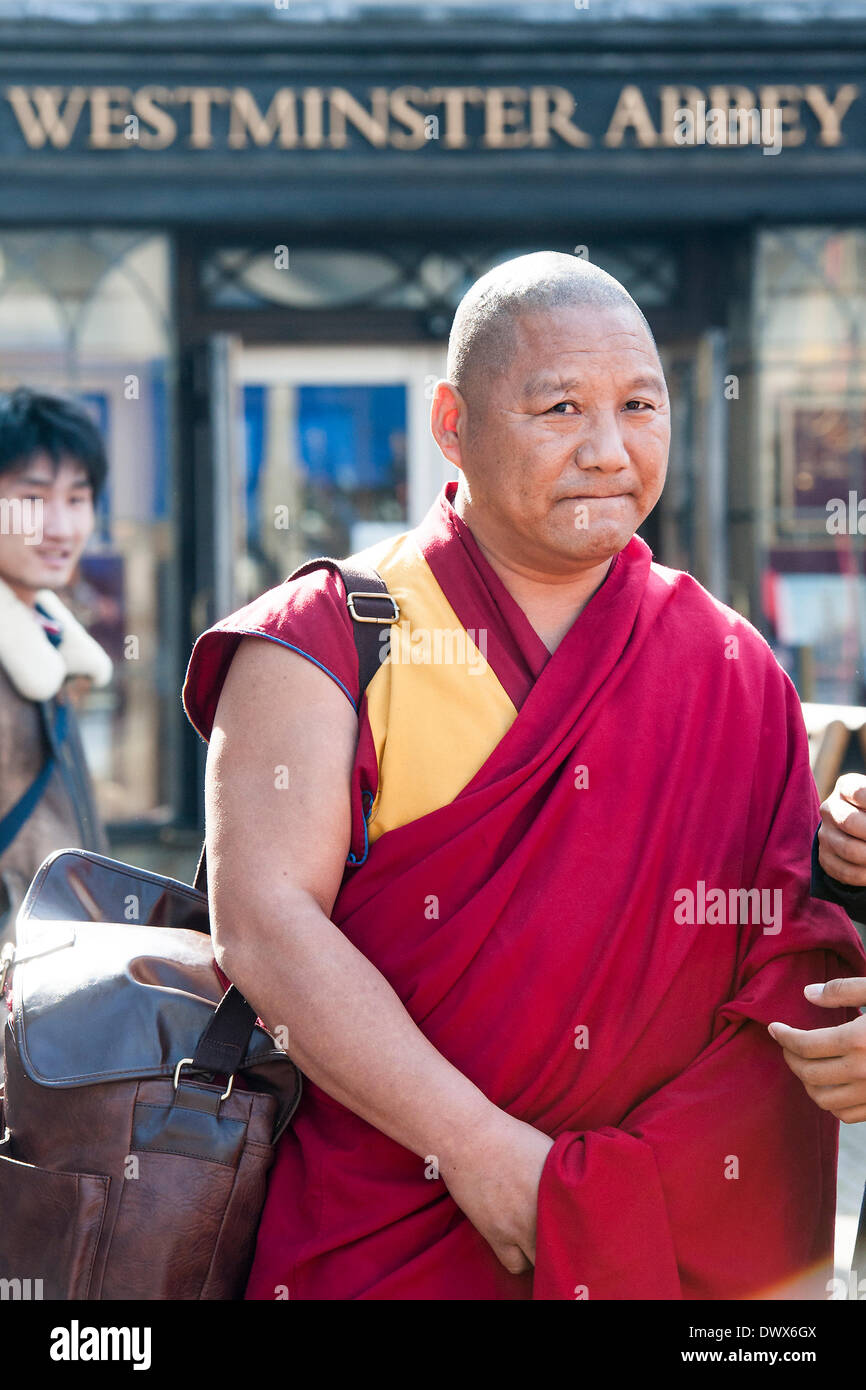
(334, 454)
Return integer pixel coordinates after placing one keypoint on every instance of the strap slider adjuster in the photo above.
(188, 1062)
(364, 618)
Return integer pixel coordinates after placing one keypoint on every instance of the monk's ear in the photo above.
(447, 417)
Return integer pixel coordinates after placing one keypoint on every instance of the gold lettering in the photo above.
(41, 116)
(404, 108)
(201, 99)
(514, 117)
(455, 100)
(504, 115)
(373, 125)
(631, 112)
(164, 126)
(830, 113)
(726, 98)
(785, 100)
(675, 99)
(104, 116)
(246, 119)
(551, 108)
(314, 100)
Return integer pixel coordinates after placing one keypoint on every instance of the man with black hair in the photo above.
(52, 469)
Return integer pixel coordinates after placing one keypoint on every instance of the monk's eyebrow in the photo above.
(650, 381)
(544, 382)
(547, 384)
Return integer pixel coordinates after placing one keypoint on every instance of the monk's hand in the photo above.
(842, 833)
(493, 1177)
(831, 1062)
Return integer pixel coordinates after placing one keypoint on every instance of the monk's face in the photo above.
(564, 445)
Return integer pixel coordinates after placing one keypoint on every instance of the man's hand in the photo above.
(494, 1180)
(842, 834)
(831, 1062)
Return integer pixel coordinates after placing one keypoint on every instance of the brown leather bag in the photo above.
(127, 1171)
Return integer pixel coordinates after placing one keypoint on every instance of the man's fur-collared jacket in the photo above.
(34, 672)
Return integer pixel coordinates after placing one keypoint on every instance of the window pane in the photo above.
(811, 358)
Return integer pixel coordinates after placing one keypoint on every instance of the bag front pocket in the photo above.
(49, 1230)
(169, 1218)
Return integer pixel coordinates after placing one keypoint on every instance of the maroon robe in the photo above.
(594, 968)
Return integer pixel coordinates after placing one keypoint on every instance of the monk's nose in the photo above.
(602, 447)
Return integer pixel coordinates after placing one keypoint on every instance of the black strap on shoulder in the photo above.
(55, 727)
(371, 608)
(223, 1044)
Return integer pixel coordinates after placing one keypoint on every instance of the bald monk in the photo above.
(526, 908)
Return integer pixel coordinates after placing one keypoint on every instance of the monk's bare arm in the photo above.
(278, 830)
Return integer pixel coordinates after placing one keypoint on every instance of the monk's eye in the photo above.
(562, 407)
(639, 405)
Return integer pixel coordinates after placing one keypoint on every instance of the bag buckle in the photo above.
(187, 1062)
(360, 617)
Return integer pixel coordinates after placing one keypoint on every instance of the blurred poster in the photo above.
(822, 458)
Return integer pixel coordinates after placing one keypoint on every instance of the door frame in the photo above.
(700, 454)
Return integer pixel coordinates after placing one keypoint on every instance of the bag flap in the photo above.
(97, 1001)
(80, 886)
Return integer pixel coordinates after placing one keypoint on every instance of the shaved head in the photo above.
(482, 333)
(556, 413)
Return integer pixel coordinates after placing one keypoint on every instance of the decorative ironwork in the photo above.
(310, 278)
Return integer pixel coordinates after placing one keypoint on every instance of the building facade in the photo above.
(241, 240)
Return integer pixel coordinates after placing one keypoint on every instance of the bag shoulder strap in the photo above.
(17, 815)
(365, 592)
(223, 1044)
(370, 606)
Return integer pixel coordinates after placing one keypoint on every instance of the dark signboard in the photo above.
(767, 117)
(464, 136)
